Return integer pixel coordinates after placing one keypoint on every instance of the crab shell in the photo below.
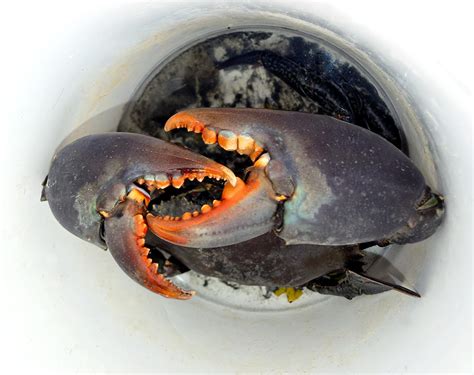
(316, 181)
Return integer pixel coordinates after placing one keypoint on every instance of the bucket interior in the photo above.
(97, 316)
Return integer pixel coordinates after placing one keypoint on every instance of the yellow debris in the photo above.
(279, 292)
(292, 294)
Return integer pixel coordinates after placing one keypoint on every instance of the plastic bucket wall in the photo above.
(70, 306)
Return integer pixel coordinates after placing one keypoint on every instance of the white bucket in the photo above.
(68, 306)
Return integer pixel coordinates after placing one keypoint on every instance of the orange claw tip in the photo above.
(159, 284)
(179, 295)
(184, 120)
(231, 177)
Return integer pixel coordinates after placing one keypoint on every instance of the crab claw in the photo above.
(341, 184)
(125, 232)
(93, 183)
(246, 211)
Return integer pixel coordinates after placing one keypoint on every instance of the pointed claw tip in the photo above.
(185, 295)
(229, 175)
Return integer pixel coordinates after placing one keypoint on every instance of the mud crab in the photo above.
(311, 194)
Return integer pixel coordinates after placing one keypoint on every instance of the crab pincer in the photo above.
(339, 184)
(98, 188)
(312, 193)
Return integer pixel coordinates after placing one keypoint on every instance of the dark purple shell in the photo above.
(94, 172)
(350, 185)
